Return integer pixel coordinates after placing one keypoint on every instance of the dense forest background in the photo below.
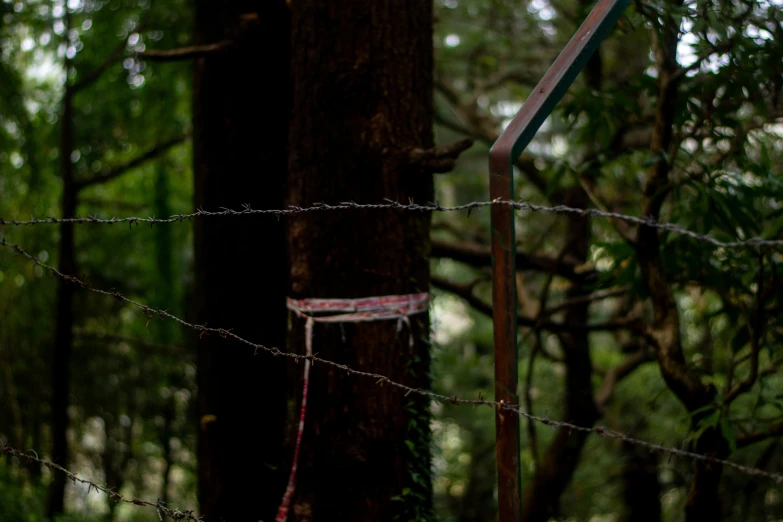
(149, 108)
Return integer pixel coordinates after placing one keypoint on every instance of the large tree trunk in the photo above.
(239, 143)
(362, 99)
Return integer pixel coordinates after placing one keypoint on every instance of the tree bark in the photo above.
(240, 154)
(362, 101)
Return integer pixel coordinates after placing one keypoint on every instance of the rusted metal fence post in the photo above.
(504, 154)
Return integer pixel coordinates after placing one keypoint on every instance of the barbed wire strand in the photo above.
(161, 507)
(431, 207)
(382, 379)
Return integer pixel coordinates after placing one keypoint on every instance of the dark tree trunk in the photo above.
(164, 293)
(240, 155)
(63, 337)
(542, 497)
(169, 412)
(478, 503)
(35, 468)
(641, 488)
(362, 99)
(118, 450)
(165, 296)
(703, 498)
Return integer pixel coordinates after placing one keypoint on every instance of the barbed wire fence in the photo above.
(160, 507)
(395, 205)
(380, 380)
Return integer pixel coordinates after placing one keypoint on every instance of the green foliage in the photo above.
(415, 499)
(132, 395)
(23, 501)
(20, 501)
(133, 381)
(724, 181)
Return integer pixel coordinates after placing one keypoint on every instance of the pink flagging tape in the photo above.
(282, 512)
(386, 303)
(366, 309)
(382, 308)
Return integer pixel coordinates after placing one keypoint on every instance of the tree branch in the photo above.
(438, 159)
(749, 439)
(466, 292)
(168, 55)
(617, 374)
(91, 77)
(453, 126)
(755, 331)
(484, 129)
(531, 427)
(720, 48)
(589, 298)
(665, 327)
(91, 336)
(522, 76)
(111, 173)
(184, 53)
(479, 256)
(537, 346)
(621, 227)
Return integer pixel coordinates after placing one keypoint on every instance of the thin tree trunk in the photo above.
(63, 340)
(240, 155)
(478, 502)
(164, 294)
(641, 488)
(542, 498)
(703, 502)
(362, 100)
(35, 437)
(164, 298)
(167, 450)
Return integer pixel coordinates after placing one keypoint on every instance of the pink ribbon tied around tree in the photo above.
(366, 309)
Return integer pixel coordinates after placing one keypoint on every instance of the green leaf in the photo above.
(710, 421)
(727, 430)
